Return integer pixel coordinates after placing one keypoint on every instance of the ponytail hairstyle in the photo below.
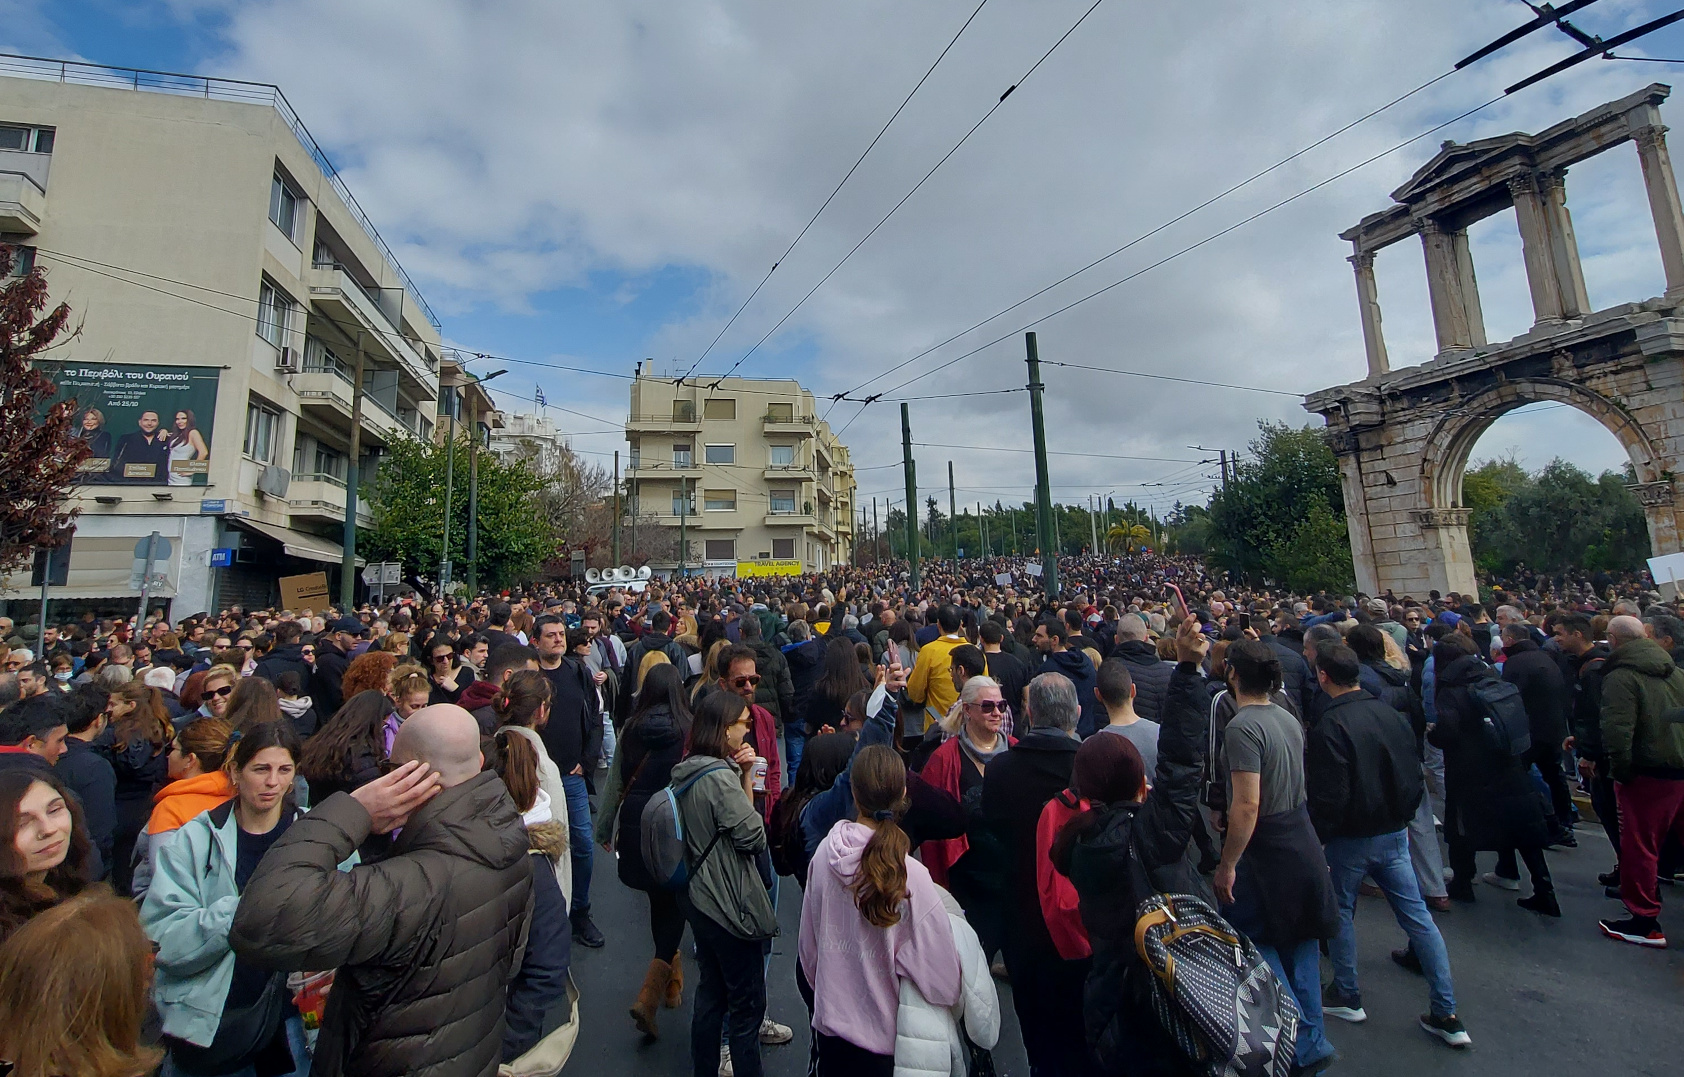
(511, 756)
(880, 793)
(406, 677)
(526, 693)
(246, 742)
(207, 740)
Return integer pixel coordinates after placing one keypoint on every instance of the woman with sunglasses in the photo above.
(215, 692)
(197, 784)
(449, 676)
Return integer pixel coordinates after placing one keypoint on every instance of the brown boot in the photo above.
(649, 997)
(675, 985)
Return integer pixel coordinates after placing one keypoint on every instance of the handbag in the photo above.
(242, 1036)
(547, 1057)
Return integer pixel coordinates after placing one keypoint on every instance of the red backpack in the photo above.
(1059, 906)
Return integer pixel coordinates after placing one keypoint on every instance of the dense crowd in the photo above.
(364, 841)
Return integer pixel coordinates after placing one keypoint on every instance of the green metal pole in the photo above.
(953, 515)
(1043, 484)
(449, 483)
(911, 468)
(353, 473)
(616, 555)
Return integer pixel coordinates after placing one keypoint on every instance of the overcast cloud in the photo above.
(546, 170)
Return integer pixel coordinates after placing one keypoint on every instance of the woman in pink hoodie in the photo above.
(870, 918)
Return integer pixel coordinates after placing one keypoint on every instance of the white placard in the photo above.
(1032, 568)
(1004, 579)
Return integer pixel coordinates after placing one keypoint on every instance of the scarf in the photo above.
(978, 755)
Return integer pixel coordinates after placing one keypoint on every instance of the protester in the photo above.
(930, 684)
(522, 707)
(573, 712)
(87, 770)
(140, 756)
(197, 784)
(424, 939)
(44, 846)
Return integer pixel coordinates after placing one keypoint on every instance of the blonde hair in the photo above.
(954, 719)
(407, 677)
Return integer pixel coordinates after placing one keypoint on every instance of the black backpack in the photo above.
(1504, 727)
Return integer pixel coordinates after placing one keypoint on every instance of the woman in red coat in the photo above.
(956, 768)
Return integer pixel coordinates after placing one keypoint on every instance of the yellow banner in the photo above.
(768, 568)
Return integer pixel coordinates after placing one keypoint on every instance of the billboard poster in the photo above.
(146, 425)
(746, 569)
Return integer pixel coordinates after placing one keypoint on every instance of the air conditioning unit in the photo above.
(274, 480)
(288, 362)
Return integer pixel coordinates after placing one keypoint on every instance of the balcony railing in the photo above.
(235, 90)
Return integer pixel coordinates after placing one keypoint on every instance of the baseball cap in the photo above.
(1376, 606)
(347, 624)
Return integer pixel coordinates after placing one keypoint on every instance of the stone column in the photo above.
(1368, 305)
(1532, 215)
(1657, 499)
(1564, 246)
(1357, 518)
(1450, 564)
(1662, 188)
(1456, 315)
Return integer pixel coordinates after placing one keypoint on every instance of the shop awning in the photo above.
(297, 543)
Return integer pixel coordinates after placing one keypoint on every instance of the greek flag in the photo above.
(538, 395)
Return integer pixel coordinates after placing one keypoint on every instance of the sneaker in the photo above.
(1320, 1065)
(1449, 1029)
(772, 1034)
(1407, 959)
(585, 932)
(1544, 904)
(1612, 892)
(1610, 878)
(1563, 840)
(725, 1067)
(1637, 930)
(1500, 882)
(1345, 1007)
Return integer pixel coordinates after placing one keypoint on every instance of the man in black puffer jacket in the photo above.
(289, 655)
(1543, 690)
(1149, 672)
(425, 940)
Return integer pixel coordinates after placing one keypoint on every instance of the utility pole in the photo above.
(982, 529)
(145, 584)
(473, 489)
(953, 515)
(353, 473)
(449, 483)
(1017, 548)
(1223, 454)
(910, 466)
(615, 557)
(1093, 527)
(876, 535)
(1043, 485)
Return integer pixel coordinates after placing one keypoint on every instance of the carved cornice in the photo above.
(1651, 494)
(1651, 137)
(1430, 518)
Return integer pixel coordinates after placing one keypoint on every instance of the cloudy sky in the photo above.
(586, 185)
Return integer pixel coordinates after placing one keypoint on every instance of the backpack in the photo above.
(1503, 725)
(784, 836)
(1059, 905)
(1210, 988)
(663, 835)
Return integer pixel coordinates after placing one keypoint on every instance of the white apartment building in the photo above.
(532, 438)
(227, 286)
(745, 467)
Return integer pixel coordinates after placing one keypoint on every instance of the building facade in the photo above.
(228, 289)
(531, 438)
(745, 468)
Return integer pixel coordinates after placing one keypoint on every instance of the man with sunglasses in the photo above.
(567, 737)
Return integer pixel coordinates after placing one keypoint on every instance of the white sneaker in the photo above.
(725, 1069)
(1499, 882)
(773, 1034)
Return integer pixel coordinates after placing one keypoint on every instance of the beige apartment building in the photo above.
(748, 469)
(227, 286)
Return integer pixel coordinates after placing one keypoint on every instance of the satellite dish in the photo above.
(593, 575)
(645, 573)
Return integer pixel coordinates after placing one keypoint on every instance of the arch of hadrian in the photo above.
(1403, 436)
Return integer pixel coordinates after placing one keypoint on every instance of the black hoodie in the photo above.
(1016, 786)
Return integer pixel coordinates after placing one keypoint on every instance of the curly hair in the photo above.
(368, 671)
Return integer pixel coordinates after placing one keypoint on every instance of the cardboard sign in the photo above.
(306, 591)
(1004, 579)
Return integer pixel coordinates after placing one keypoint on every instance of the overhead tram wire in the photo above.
(838, 190)
(917, 186)
(1254, 177)
(1213, 237)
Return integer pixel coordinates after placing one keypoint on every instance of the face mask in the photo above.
(62, 676)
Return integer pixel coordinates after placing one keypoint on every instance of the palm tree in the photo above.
(1127, 537)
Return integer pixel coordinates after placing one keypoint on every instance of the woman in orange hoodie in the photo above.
(197, 784)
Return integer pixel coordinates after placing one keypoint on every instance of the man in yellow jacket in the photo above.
(932, 680)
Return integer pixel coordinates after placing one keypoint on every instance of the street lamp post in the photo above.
(473, 492)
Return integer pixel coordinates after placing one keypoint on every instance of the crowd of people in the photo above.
(365, 841)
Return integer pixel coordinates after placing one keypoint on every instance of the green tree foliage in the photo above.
(1556, 520)
(407, 500)
(1282, 516)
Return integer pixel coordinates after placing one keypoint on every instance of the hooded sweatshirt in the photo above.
(182, 800)
(854, 966)
(1078, 669)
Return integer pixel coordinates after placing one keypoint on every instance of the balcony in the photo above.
(799, 426)
(662, 469)
(22, 203)
(321, 498)
(788, 473)
(328, 396)
(689, 422)
(340, 298)
(791, 519)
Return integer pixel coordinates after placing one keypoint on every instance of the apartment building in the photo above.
(745, 468)
(228, 289)
(532, 438)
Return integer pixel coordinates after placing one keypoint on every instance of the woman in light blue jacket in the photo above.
(221, 1015)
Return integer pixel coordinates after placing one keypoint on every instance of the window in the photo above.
(725, 410)
(274, 314)
(780, 413)
(679, 505)
(683, 411)
(23, 260)
(720, 454)
(635, 456)
(330, 463)
(719, 500)
(720, 549)
(783, 549)
(284, 205)
(28, 139)
(681, 455)
(783, 502)
(263, 432)
(783, 455)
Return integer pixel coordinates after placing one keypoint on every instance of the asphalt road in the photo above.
(1540, 997)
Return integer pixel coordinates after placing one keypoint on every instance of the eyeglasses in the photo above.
(746, 682)
(989, 706)
(441, 657)
(225, 690)
(244, 646)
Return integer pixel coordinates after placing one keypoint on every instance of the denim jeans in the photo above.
(579, 841)
(1299, 967)
(795, 742)
(295, 1040)
(1385, 859)
(730, 996)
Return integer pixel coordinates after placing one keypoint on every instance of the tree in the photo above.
(1283, 513)
(40, 454)
(1557, 520)
(407, 501)
(1127, 537)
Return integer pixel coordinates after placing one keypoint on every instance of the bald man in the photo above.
(426, 938)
